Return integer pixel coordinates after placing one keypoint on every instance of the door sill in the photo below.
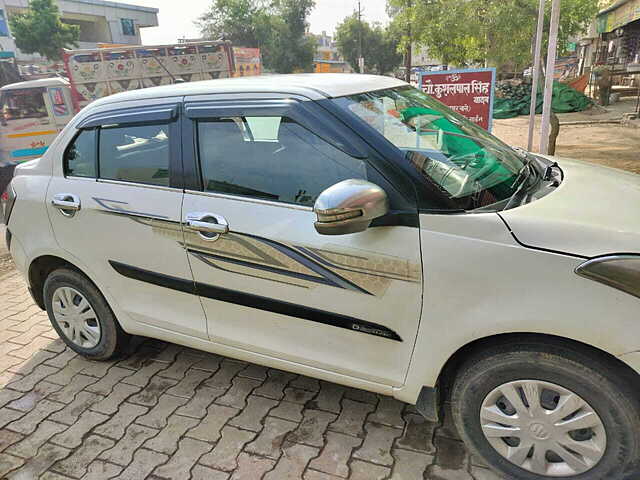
(258, 358)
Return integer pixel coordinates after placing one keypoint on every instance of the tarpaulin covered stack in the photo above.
(514, 100)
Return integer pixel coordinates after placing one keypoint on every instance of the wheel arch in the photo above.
(431, 399)
(39, 270)
(506, 341)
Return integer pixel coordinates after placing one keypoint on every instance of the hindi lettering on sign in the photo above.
(468, 92)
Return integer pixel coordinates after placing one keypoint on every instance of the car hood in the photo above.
(595, 211)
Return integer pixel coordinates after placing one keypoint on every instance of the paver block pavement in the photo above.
(165, 411)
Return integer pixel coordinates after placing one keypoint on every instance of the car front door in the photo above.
(115, 205)
(269, 282)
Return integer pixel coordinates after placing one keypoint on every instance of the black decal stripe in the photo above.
(371, 273)
(310, 264)
(255, 301)
(121, 210)
(174, 283)
(302, 276)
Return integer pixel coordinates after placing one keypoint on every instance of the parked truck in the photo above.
(32, 113)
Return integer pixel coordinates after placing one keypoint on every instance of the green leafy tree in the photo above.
(244, 22)
(40, 30)
(277, 27)
(492, 32)
(379, 45)
(290, 49)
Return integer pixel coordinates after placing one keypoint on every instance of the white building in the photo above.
(100, 22)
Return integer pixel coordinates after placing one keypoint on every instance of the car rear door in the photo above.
(269, 283)
(116, 204)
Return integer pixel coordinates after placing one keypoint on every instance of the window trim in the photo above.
(95, 159)
(247, 199)
(173, 145)
(249, 113)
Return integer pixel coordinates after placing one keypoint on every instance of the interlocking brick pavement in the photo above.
(168, 412)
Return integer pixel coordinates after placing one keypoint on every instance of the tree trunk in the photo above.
(407, 62)
(553, 133)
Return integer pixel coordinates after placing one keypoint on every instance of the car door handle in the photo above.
(66, 202)
(207, 224)
(207, 227)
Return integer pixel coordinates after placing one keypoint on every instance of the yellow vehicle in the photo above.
(31, 116)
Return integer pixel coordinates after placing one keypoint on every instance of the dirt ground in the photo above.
(607, 144)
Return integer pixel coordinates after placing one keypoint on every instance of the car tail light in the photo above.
(7, 201)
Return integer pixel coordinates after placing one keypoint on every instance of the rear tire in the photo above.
(81, 316)
(551, 374)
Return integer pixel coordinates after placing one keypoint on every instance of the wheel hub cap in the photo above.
(543, 428)
(75, 317)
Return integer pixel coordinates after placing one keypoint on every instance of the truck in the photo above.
(32, 113)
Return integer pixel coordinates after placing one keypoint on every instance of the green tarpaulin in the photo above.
(565, 99)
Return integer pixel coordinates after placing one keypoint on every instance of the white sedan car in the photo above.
(350, 228)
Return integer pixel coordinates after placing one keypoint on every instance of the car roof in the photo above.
(43, 82)
(315, 86)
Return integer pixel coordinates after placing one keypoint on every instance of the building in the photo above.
(422, 58)
(614, 38)
(100, 22)
(327, 58)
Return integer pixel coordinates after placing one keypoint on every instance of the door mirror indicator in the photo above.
(349, 207)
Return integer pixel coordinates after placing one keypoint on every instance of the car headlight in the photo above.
(617, 271)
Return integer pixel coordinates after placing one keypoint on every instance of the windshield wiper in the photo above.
(527, 171)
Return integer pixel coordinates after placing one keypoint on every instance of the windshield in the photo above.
(23, 103)
(471, 167)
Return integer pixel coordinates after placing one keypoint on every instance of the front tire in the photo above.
(535, 412)
(81, 316)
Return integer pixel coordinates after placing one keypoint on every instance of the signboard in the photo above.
(248, 62)
(468, 92)
(617, 17)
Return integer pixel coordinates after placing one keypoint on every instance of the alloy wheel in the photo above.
(543, 428)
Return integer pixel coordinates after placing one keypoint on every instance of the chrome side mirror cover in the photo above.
(349, 207)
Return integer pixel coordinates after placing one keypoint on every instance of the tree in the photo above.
(399, 12)
(278, 28)
(40, 30)
(290, 49)
(244, 22)
(492, 32)
(379, 45)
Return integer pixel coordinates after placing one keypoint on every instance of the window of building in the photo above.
(80, 156)
(271, 158)
(128, 26)
(137, 154)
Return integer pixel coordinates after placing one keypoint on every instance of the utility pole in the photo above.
(360, 57)
(536, 74)
(548, 83)
(407, 53)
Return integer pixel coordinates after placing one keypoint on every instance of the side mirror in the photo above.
(349, 207)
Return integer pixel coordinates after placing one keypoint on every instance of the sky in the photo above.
(176, 17)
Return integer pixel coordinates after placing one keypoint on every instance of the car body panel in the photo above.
(274, 251)
(480, 283)
(593, 212)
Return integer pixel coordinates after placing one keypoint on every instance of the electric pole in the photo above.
(407, 52)
(360, 57)
(536, 74)
(548, 84)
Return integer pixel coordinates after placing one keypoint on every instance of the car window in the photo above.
(271, 158)
(24, 103)
(80, 156)
(135, 154)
